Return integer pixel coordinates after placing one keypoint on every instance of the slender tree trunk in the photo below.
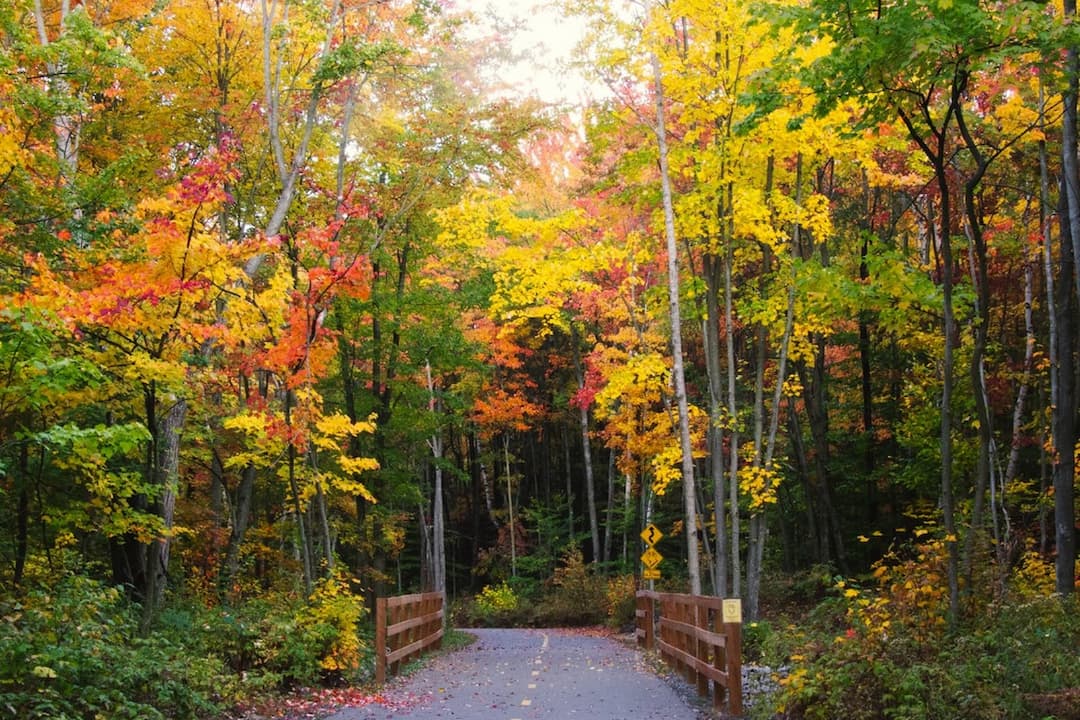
(289, 172)
(1064, 419)
(22, 516)
(510, 506)
(569, 484)
(303, 540)
(435, 443)
(866, 384)
(1045, 214)
(937, 156)
(609, 521)
(712, 267)
(168, 467)
(819, 551)
(627, 494)
(1064, 404)
(590, 482)
(241, 517)
(67, 127)
(732, 406)
(689, 492)
(586, 449)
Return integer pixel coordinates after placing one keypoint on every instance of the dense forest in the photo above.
(300, 306)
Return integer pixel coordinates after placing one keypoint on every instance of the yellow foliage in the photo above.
(641, 378)
(1034, 576)
(12, 154)
(666, 468)
(759, 485)
(332, 603)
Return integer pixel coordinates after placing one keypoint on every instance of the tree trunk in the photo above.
(438, 539)
(590, 483)
(1063, 422)
(303, 540)
(1064, 413)
(67, 127)
(569, 483)
(689, 492)
(937, 156)
(609, 522)
(712, 267)
(22, 516)
(168, 469)
(510, 505)
(241, 518)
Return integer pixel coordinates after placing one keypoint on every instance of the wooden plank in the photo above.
(413, 647)
(413, 599)
(701, 666)
(401, 627)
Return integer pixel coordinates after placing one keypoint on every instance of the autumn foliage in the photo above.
(297, 310)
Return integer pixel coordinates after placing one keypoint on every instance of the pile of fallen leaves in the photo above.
(314, 703)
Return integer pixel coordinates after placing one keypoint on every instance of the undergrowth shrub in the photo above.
(282, 640)
(496, 606)
(73, 651)
(885, 650)
(621, 600)
(578, 595)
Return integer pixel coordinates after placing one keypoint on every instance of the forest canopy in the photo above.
(300, 307)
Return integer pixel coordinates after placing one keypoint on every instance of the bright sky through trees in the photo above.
(545, 41)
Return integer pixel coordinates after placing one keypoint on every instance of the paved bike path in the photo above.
(532, 674)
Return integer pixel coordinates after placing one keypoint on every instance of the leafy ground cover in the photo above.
(882, 646)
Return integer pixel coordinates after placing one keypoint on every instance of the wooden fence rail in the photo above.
(406, 626)
(694, 640)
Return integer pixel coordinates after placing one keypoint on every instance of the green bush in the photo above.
(496, 606)
(621, 601)
(74, 652)
(578, 596)
(284, 641)
(867, 655)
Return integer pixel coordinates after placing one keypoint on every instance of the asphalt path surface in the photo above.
(530, 674)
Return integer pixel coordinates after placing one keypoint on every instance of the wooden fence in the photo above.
(406, 626)
(694, 640)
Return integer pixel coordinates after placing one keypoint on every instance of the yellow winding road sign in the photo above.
(651, 535)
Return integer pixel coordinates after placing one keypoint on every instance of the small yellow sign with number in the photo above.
(650, 558)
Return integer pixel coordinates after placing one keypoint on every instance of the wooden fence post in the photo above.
(380, 640)
(733, 655)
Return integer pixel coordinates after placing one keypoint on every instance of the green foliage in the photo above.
(578, 594)
(886, 653)
(495, 606)
(621, 600)
(282, 640)
(496, 599)
(74, 652)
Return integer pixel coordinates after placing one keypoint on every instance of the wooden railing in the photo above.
(694, 640)
(406, 626)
